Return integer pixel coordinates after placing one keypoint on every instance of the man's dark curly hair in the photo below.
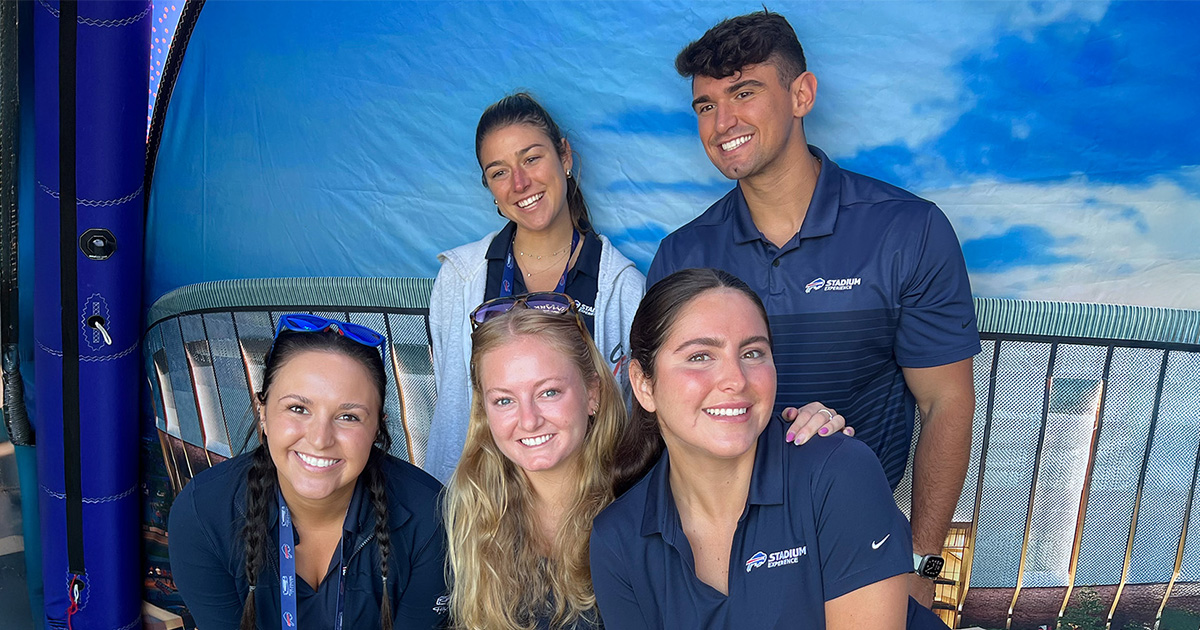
(742, 41)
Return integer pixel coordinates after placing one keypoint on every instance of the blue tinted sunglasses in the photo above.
(302, 322)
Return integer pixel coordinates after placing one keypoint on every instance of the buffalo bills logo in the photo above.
(287, 618)
(815, 285)
(755, 561)
(287, 550)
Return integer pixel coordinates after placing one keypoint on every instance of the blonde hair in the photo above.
(498, 577)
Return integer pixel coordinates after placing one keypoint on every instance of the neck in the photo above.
(553, 493)
(715, 488)
(326, 514)
(544, 242)
(779, 197)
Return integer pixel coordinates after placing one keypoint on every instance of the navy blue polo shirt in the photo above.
(583, 279)
(873, 282)
(207, 554)
(819, 522)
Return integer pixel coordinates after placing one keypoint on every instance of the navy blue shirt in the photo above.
(582, 280)
(873, 282)
(208, 559)
(819, 522)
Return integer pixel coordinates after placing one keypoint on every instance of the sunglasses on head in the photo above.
(303, 322)
(546, 301)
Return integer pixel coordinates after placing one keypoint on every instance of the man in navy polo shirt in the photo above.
(869, 302)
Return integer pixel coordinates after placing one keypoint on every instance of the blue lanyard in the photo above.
(506, 285)
(287, 572)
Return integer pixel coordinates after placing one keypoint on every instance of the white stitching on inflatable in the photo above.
(92, 203)
(107, 357)
(93, 500)
(103, 23)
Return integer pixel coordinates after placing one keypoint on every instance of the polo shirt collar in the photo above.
(766, 482)
(590, 249)
(360, 516)
(660, 509)
(822, 210)
(498, 250)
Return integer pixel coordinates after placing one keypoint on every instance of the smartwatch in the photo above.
(929, 566)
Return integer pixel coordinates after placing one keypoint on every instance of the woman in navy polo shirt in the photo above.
(731, 529)
(318, 525)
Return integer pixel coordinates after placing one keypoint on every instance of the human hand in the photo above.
(814, 419)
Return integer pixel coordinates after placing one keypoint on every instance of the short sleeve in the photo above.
(615, 595)
(200, 569)
(863, 537)
(937, 316)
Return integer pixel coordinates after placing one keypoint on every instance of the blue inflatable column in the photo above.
(91, 82)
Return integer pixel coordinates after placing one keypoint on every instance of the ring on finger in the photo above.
(826, 412)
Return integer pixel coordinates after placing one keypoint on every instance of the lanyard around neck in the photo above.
(287, 572)
(506, 285)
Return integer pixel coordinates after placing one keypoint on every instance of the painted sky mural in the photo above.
(321, 139)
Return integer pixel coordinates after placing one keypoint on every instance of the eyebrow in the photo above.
(301, 399)
(527, 149)
(548, 379)
(713, 342)
(729, 90)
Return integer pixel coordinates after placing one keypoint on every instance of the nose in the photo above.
(520, 179)
(320, 433)
(528, 418)
(733, 376)
(725, 118)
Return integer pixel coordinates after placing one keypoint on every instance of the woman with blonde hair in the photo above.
(537, 467)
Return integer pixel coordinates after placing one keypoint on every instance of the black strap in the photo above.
(68, 19)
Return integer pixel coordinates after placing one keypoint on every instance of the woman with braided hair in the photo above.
(318, 524)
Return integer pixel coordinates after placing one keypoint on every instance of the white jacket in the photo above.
(458, 289)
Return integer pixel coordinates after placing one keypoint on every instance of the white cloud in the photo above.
(1128, 244)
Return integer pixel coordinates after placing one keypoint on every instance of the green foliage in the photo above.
(1174, 619)
(1084, 613)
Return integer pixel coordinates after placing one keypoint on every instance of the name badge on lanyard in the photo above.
(506, 285)
(287, 572)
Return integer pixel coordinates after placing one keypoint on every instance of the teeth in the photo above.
(735, 143)
(529, 201)
(536, 441)
(318, 462)
(725, 412)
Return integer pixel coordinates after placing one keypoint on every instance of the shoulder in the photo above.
(623, 517)
(414, 489)
(218, 484)
(862, 193)
(465, 258)
(618, 269)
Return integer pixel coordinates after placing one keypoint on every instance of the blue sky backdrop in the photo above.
(315, 138)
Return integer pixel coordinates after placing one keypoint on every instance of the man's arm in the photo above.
(946, 397)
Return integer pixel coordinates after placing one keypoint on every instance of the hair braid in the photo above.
(260, 486)
(383, 537)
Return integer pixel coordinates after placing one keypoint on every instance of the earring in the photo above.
(568, 173)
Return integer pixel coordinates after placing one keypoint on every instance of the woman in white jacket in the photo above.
(548, 245)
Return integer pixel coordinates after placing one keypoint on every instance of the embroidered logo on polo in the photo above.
(777, 558)
(755, 561)
(833, 284)
(442, 605)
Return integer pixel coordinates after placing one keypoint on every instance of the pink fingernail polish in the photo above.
(824, 430)
(791, 436)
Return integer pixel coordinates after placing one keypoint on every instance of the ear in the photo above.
(643, 389)
(568, 159)
(804, 94)
(593, 398)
